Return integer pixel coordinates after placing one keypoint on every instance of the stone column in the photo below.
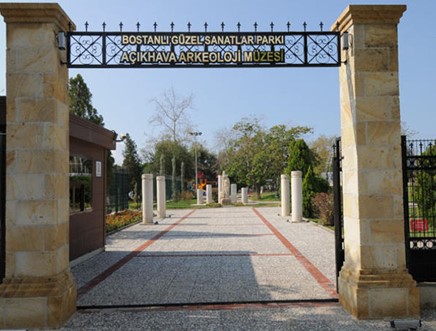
(38, 290)
(297, 196)
(147, 199)
(233, 193)
(199, 197)
(374, 282)
(244, 195)
(220, 187)
(161, 197)
(285, 195)
(209, 194)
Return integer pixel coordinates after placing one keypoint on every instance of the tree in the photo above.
(309, 192)
(160, 158)
(80, 101)
(171, 113)
(255, 155)
(80, 104)
(322, 148)
(300, 157)
(131, 160)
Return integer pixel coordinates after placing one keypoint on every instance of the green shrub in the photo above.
(323, 204)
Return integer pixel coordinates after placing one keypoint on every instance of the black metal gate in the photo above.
(338, 214)
(419, 180)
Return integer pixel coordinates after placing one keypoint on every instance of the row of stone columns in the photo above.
(147, 198)
(297, 196)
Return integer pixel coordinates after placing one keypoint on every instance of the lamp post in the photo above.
(196, 134)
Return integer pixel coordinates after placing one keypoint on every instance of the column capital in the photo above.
(36, 13)
(368, 14)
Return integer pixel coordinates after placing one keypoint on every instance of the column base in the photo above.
(369, 295)
(37, 302)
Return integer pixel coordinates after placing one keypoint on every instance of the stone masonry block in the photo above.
(55, 237)
(33, 308)
(36, 212)
(372, 59)
(25, 85)
(378, 108)
(25, 238)
(381, 84)
(26, 186)
(35, 264)
(31, 110)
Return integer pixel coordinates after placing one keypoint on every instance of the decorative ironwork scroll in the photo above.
(202, 49)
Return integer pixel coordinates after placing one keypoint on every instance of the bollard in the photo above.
(199, 197)
(220, 187)
(297, 196)
(244, 195)
(285, 196)
(161, 196)
(209, 194)
(233, 193)
(147, 199)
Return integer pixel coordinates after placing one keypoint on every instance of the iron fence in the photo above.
(419, 182)
(117, 198)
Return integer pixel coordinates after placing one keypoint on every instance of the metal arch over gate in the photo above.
(202, 49)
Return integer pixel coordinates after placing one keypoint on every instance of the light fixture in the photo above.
(62, 40)
(119, 138)
(345, 42)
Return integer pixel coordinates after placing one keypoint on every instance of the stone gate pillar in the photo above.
(38, 290)
(374, 281)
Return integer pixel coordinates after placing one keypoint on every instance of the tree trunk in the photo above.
(257, 191)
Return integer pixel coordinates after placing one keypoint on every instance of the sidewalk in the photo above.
(216, 269)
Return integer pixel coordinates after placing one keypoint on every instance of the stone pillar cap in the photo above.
(368, 14)
(36, 13)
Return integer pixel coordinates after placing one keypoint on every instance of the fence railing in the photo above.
(419, 183)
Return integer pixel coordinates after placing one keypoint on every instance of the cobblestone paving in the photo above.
(215, 269)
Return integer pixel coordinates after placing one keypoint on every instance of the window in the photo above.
(80, 184)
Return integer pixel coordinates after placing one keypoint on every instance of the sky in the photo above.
(291, 96)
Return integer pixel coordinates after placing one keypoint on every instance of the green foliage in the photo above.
(161, 158)
(80, 103)
(256, 154)
(131, 160)
(206, 162)
(322, 148)
(309, 190)
(425, 188)
(162, 165)
(323, 203)
(300, 157)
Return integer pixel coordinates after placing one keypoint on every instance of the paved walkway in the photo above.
(215, 269)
